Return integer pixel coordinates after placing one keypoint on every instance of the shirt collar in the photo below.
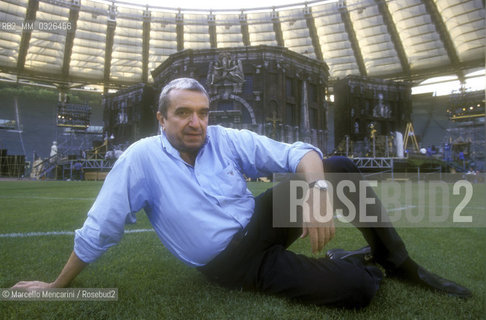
(167, 146)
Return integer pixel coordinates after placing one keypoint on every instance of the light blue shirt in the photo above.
(194, 210)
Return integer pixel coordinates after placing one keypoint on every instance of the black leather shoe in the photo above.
(363, 254)
(437, 283)
(413, 273)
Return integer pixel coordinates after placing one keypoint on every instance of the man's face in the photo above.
(187, 120)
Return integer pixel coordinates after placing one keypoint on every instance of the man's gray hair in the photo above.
(180, 84)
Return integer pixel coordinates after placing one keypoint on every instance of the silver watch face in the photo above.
(321, 184)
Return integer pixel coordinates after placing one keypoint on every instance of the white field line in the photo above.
(401, 208)
(45, 198)
(413, 207)
(57, 233)
(433, 207)
(388, 210)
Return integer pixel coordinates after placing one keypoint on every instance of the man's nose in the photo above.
(194, 120)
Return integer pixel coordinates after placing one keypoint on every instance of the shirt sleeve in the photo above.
(258, 155)
(122, 195)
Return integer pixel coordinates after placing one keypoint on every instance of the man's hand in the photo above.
(321, 230)
(320, 225)
(73, 267)
(32, 285)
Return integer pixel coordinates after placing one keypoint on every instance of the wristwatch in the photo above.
(319, 184)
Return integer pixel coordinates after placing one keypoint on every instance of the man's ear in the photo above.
(160, 118)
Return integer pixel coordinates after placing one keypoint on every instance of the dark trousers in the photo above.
(257, 258)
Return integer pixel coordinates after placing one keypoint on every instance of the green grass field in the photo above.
(152, 284)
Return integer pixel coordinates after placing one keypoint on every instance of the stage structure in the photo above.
(269, 90)
(371, 116)
(73, 115)
(466, 135)
(12, 165)
(75, 133)
(129, 114)
(74, 137)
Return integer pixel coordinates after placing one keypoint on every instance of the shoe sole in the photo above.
(365, 252)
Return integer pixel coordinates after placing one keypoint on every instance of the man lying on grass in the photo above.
(190, 182)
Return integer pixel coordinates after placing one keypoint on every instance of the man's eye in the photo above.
(183, 113)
